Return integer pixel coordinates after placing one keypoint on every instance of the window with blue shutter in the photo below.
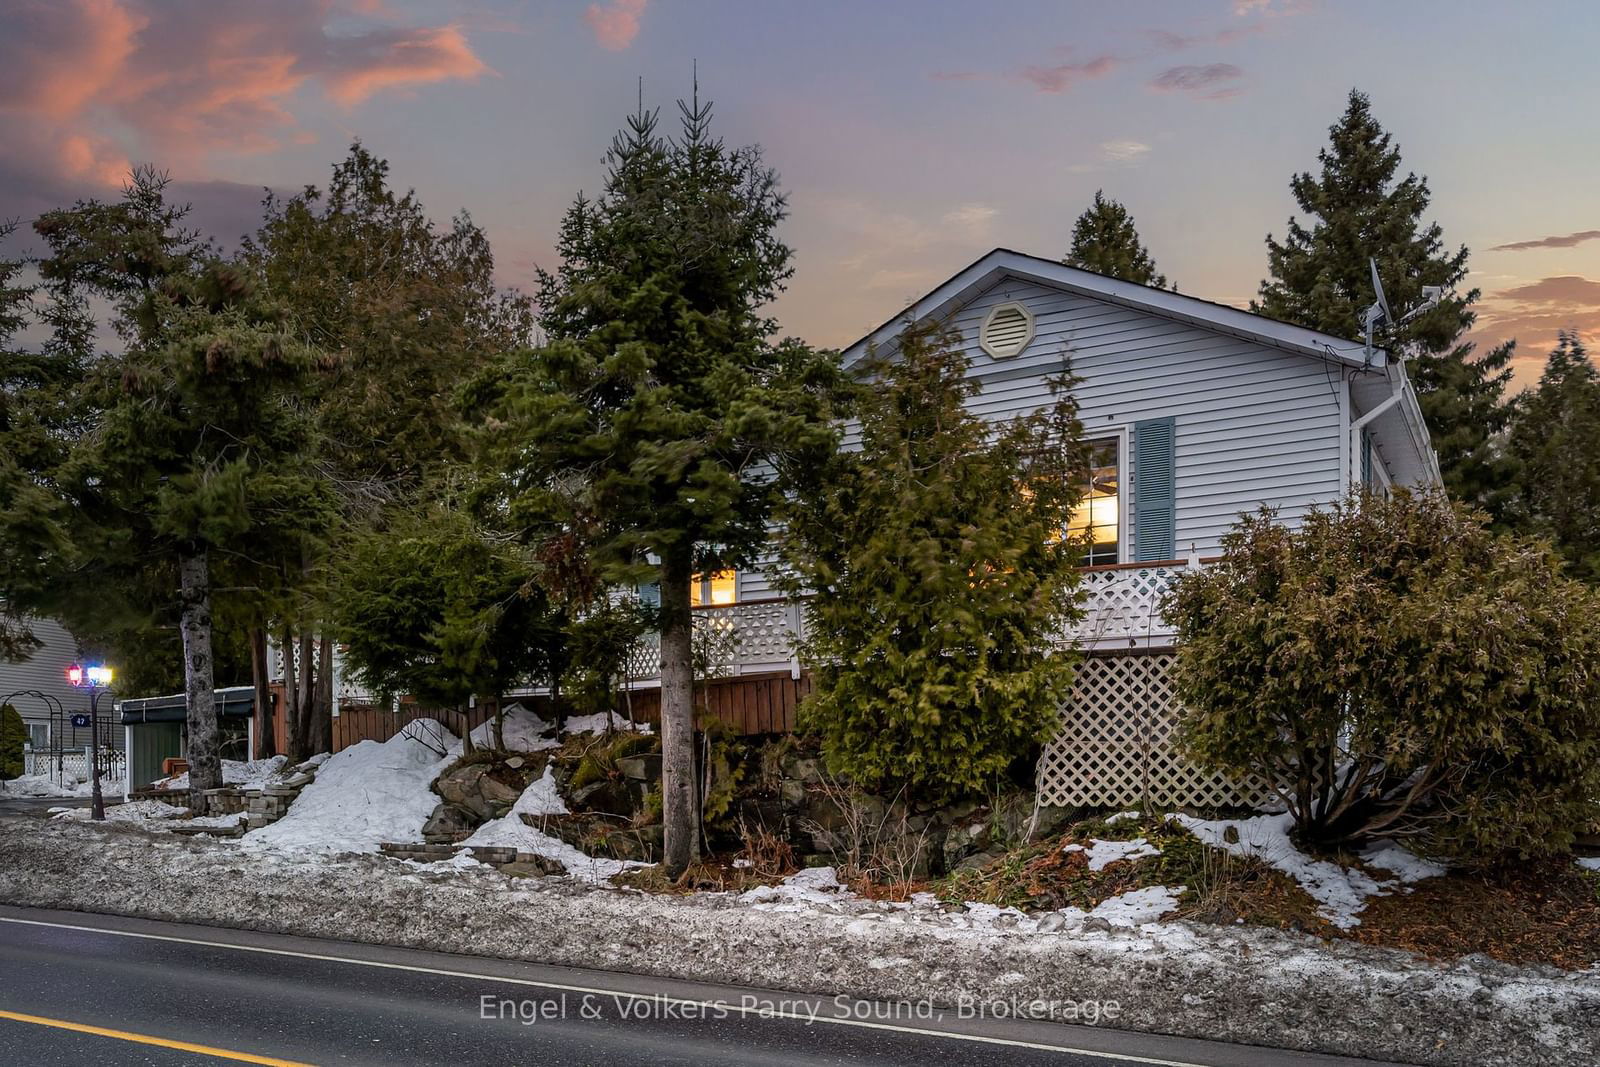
(1155, 529)
(1366, 458)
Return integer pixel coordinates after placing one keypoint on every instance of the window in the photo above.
(1097, 520)
(39, 735)
(721, 587)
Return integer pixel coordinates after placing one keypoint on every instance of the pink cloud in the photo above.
(1063, 76)
(85, 84)
(1534, 313)
(616, 24)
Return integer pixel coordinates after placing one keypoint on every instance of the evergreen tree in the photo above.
(639, 430)
(158, 467)
(940, 577)
(1555, 435)
(13, 735)
(1105, 240)
(404, 310)
(1321, 279)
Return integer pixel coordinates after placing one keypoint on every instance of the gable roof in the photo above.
(1219, 318)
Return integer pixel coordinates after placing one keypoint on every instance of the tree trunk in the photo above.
(260, 675)
(321, 734)
(291, 703)
(205, 767)
(306, 698)
(677, 718)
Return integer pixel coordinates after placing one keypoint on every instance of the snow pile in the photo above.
(251, 774)
(597, 723)
(1137, 907)
(1340, 892)
(1101, 853)
(39, 785)
(813, 885)
(1590, 863)
(140, 811)
(369, 793)
(522, 731)
(542, 798)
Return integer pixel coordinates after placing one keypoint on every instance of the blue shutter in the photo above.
(1155, 530)
(1366, 457)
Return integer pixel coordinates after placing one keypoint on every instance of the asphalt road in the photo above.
(77, 988)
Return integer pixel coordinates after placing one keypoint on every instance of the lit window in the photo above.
(721, 587)
(1096, 521)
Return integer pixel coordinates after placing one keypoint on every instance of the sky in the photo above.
(912, 136)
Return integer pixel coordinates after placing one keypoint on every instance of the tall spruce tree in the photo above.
(641, 427)
(940, 577)
(1320, 278)
(1555, 435)
(1105, 240)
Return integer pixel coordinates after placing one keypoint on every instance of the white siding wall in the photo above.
(45, 671)
(1254, 425)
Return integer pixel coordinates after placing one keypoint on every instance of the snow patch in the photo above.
(1101, 853)
(137, 811)
(1123, 816)
(522, 731)
(1138, 907)
(1590, 863)
(510, 830)
(251, 774)
(1340, 892)
(364, 795)
(598, 722)
(39, 785)
(811, 886)
(1406, 867)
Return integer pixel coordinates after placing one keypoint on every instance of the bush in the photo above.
(1393, 668)
(13, 734)
(939, 576)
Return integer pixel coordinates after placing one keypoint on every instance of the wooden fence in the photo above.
(749, 704)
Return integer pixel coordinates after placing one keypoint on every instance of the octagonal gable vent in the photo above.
(1006, 331)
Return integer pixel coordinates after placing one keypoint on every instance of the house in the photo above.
(1197, 412)
(54, 711)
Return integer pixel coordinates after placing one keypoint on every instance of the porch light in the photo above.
(94, 676)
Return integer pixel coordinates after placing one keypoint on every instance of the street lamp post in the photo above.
(95, 679)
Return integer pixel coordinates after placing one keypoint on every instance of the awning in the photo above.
(237, 702)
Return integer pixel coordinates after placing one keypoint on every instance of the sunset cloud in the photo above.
(1534, 313)
(615, 24)
(1207, 81)
(1558, 241)
(1063, 76)
(87, 84)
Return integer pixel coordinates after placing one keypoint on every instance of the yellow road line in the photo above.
(146, 1039)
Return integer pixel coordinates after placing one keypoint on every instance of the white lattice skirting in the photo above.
(1115, 749)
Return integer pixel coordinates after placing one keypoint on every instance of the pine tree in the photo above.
(1105, 240)
(641, 427)
(1555, 434)
(168, 463)
(404, 310)
(940, 577)
(1321, 279)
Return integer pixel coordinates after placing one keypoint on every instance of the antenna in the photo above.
(1379, 313)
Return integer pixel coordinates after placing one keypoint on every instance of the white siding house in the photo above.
(44, 672)
(1199, 413)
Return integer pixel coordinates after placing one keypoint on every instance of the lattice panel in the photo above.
(1123, 603)
(1115, 745)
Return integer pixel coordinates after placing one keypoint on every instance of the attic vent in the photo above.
(1006, 331)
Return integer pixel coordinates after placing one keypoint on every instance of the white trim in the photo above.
(1027, 335)
(1124, 438)
(1219, 318)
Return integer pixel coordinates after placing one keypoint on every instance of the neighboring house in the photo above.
(1197, 412)
(42, 693)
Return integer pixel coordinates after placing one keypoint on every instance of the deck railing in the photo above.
(1121, 610)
